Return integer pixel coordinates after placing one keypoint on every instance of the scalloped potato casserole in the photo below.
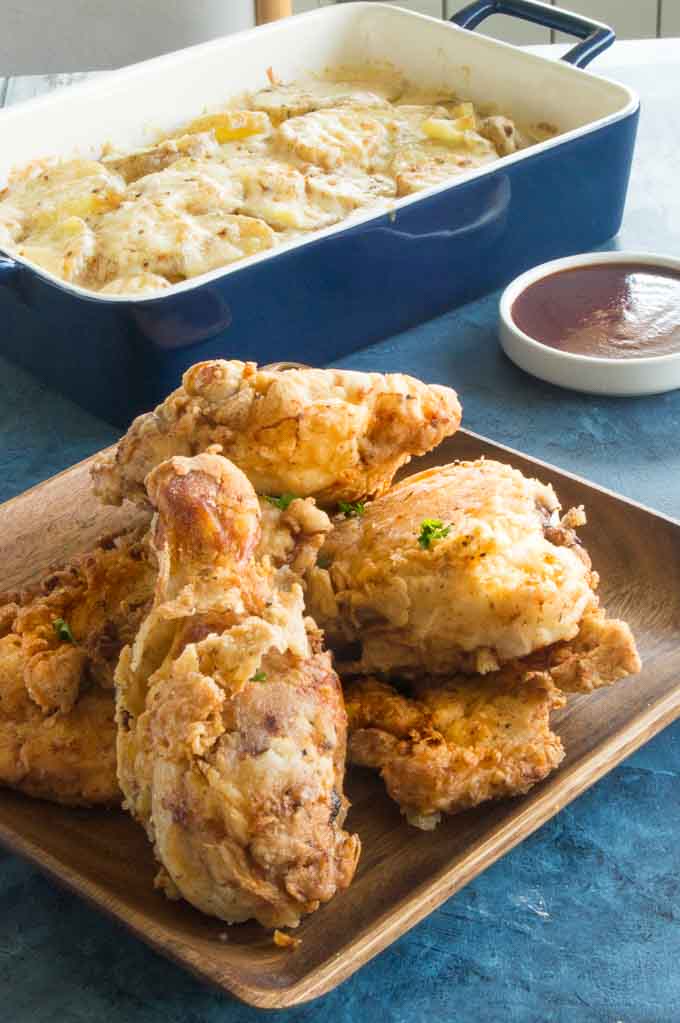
(289, 160)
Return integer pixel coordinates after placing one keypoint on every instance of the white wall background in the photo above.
(631, 19)
(46, 36)
(41, 36)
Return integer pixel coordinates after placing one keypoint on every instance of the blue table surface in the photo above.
(579, 923)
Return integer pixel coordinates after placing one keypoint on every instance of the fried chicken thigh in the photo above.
(231, 724)
(59, 646)
(330, 434)
(449, 746)
(464, 568)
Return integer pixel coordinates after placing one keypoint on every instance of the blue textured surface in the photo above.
(579, 924)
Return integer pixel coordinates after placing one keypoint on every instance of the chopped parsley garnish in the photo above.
(63, 630)
(431, 530)
(352, 509)
(281, 502)
(259, 676)
(323, 561)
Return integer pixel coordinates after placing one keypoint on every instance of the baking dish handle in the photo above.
(595, 36)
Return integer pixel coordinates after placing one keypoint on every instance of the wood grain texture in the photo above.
(403, 873)
(272, 10)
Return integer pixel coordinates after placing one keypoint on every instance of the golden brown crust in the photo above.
(453, 744)
(602, 652)
(504, 576)
(232, 731)
(329, 434)
(57, 732)
(66, 758)
(292, 536)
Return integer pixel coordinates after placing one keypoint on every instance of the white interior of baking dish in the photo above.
(133, 106)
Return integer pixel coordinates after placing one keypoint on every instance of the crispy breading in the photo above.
(329, 434)
(464, 567)
(57, 731)
(231, 738)
(292, 535)
(602, 652)
(453, 744)
(66, 758)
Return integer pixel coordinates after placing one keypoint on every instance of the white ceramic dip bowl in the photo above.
(591, 374)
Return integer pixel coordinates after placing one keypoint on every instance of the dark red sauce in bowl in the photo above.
(606, 310)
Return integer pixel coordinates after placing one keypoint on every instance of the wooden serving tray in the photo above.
(403, 873)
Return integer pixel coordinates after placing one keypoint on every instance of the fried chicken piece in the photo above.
(455, 744)
(66, 758)
(330, 434)
(232, 730)
(602, 652)
(292, 535)
(464, 567)
(57, 730)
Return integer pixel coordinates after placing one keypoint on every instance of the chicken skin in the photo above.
(449, 746)
(330, 434)
(462, 568)
(57, 727)
(59, 645)
(602, 652)
(231, 724)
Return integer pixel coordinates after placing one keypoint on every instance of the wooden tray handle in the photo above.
(272, 10)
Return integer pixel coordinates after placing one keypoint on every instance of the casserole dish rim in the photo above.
(11, 262)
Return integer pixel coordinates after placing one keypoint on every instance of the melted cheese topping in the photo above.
(291, 160)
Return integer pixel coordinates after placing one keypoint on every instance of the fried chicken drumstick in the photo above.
(330, 434)
(231, 724)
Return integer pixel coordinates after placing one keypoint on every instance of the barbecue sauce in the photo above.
(608, 310)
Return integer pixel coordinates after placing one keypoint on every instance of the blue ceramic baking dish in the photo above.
(349, 285)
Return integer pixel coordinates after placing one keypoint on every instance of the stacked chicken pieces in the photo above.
(459, 606)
